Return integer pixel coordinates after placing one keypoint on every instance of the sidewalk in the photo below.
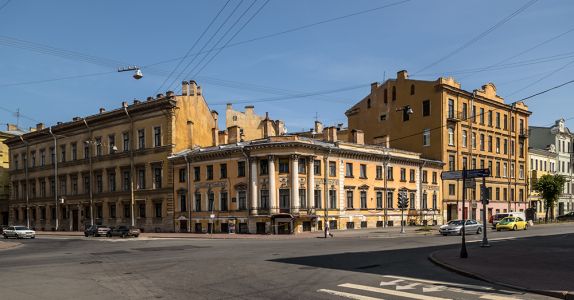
(540, 265)
(388, 232)
(8, 245)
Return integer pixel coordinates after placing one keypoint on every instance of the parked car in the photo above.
(566, 217)
(96, 230)
(511, 223)
(123, 231)
(18, 232)
(496, 218)
(455, 227)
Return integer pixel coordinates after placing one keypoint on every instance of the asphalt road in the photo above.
(371, 266)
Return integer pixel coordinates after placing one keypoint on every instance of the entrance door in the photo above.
(75, 220)
(283, 228)
(183, 226)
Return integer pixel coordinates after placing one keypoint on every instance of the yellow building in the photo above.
(542, 162)
(463, 129)
(110, 168)
(11, 131)
(289, 183)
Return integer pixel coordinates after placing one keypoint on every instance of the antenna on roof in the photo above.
(17, 114)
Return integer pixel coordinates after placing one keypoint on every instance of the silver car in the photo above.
(455, 227)
(18, 232)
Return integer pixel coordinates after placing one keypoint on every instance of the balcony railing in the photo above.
(523, 133)
(455, 116)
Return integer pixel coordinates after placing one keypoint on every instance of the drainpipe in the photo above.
(55, 158)
(326, 188)
(27, 182)
(132, 171)
(91, 172)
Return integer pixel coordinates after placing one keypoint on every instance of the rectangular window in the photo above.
(182, 175)
(264, 199)
(126, 140)
(426, 108)
(197, 202)
(379, 200)
(412, 175)
(141, 179)
(497, 145)
(497, 169)
(332, 169)
(284, 199)
(379, 172)
(424, 201)
(317, 167)
(403, 174)
(464, 111)
(74, 147)
(126, 181)
(196, 173)
(349, 199)
(62, 153)
(210, 201)
(490, 118)
(86, 184)
(74, 185)
(473, 140)
(157, 178)
(363, 171)
(303, 198)
(157, 136)
(390, 199)
(426, 137)
(505, 123)
(223, 171)
(434, 201)
(363, 199)
(389, 173)
(451, 189)
(112, 143)
(242, 198)
(158, 210)
(141, 208)
(263, 167)
(497, 120)
(332, 199)
(87, 150)
(451, 163)
(481, 116)
(223, 201)
(451, 111)
(112, 181)
(99, 147)
(182, 202)
(99, 183)
(127, 211)
(434, 177)
(318, 199)
(209, 172)
(464, 138)
(302, 165)
(505, 146)
(141, 139)
(490, 143)
(283, 166)
(240, 169)
(112, 211)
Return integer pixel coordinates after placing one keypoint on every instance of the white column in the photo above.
(295, 203)
(311, 183)
(273, 207)
(253, 186)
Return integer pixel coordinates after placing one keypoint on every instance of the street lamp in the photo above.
(137, 74)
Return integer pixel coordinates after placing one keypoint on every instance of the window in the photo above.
(434, 177)
(240, 169)
(497, 145)
(209, 172)
(242, 198)
(473, 140)
(451, 163)
(182, 174)
(383, 117)
(87, 150)
(283, 199)
(521, 149)
(363, 171)
(363, 199)
(62, 154)
(412, 175)
(451, 136)
(481, 142)
(450, 108)
(332, 199)
(505, 146)
(264, 199)
(490, 143)
(223, 201)
(481, 116)
(426, 137)
(403, 174)
(473, 113)
(223, 171)
(451, 189)
(412, 200)
(157, 177)
(112, 181)
(389, 173)
(317, 199)
(263, 167)
(157, 136)
(126, 139)
(505, 123)
(348, 170)
(473, 163)
(424, 201)
(464, 138)
(349, 199)
(302, 165)
(111, 143)
(379, 200)
(332, 169)
(283, 165)
(464, 111)
(369, 103)
(210, 201)
(504, 170)
(412, 89)
(521, 172)
(158, 210)
(379, 172)
(182, 202)
(74, 186)
(74, 147)
(197, 202)
(52, 157)
(490, 118)
(141, 139)
(126, 181)
(196, 173)
(141, 179)
(394, 95)
(112, 211)
(465, 162)
(490, 167)
(434, 201)
(99, 151)
(497, 169)
(141, 208)
(497, 120)
(389, 199)
(317, 167)
(426, 108)
(303, 198)
(512, 124)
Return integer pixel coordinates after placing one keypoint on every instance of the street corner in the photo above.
(8, 245)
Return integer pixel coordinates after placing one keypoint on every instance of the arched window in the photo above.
(394, 93)
(369, 103)
(385, 96)
(412, 89)
(451, 136)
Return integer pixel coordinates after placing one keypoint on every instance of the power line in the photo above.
(5, 4)
(56, 79)
(545, 76)
(478, 37)
(478, 115)
(193, 46)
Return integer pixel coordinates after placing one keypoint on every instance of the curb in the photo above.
(556, 294)
(11, 245)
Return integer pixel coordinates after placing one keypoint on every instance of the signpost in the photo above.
(465, 175)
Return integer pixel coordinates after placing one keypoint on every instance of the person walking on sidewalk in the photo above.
(327, 232)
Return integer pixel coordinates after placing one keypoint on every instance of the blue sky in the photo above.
(337, 55)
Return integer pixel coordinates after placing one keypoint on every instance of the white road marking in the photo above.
(434, 282)
(436, 288)
(407, 287)
(495, 297)
(394, 282)
(348, 295)
(390, 292)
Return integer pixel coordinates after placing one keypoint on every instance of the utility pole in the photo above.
(484, 193)
(89, 142)
(55, 162)
(463, 253)
(25, 159)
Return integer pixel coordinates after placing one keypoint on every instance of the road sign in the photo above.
(470, 183)
(451, 175)
(477, 173)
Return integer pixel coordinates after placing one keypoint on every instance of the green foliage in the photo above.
(550, 188)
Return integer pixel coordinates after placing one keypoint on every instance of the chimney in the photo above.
(402, 74)
(39, 126)
(233, 134)
(358, 136)
(223, 137)
(31, 129)
(198, 90)
(125, 104)
(170, 94)
(192, 88)
(184, 88)
(149, 99)
(215, 136)
(11, 127)
(229, 106)
(374, 86)
(103, 110)
(330, 134)
(159, 96)
(75, 119)
(318, 127)
(249, 109)
(136, 101)
(215, 116)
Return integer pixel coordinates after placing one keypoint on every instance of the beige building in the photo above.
(291, 184)
(443, 122)
(10, 132)
(542, 162)
(110, 168)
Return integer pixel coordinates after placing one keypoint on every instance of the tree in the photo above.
(550, 188)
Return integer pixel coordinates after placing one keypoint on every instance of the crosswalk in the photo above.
(401, 287)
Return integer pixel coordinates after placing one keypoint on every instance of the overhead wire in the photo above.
(478, 37)
(5, 4)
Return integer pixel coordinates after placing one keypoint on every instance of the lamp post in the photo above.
(55, 161)
(27, 182)
(90, 174)
(137, 74)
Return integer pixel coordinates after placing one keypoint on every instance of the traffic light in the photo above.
(403, 200)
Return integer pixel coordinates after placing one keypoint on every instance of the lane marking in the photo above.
(348, 295)
(394, 282)
(434, 282)
(390, 292)
(407, 287)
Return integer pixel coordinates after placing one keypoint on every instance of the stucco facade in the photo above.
(542, 162)
(444, 122)
(283, 184)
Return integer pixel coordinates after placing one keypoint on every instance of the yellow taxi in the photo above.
(511, 223)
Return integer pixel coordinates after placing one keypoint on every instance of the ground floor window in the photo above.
(158, 210)
(364, 224)
(127, 211)
(141, 208)
(112, 211)
(350, 225)
(379, 223)
(223, 197)
(333, 224)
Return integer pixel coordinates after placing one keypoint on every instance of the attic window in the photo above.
(234, 118)
(369, 103)
(412, 89)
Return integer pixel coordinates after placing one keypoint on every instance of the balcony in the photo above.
(455, 116)
(523, 133)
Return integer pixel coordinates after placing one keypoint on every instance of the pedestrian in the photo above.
(327, 231)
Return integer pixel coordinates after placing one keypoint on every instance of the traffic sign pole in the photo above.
(484, 243)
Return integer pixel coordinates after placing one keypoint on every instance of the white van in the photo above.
(496, 218)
